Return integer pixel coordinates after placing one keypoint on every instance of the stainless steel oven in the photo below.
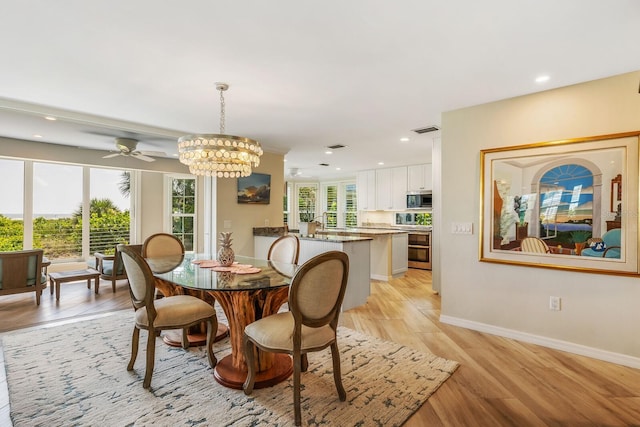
(420, 250)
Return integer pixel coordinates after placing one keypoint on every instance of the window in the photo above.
(57, 210)
(183, 210)
(339, 202)
(52, 217)
(331, 205)
(306, 202)
(11, 205)
(109, 209)
(351, 205)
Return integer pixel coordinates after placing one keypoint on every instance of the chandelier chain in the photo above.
(222, 105)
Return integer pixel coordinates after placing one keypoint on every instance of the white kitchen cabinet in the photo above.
(399, 188)
(391, 188)
(383, 189)
(419, 177)
(366, 190)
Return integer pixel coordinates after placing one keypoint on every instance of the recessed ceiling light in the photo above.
(285, 160)
(338, 169)
(404, 139)
(37, 136)
(328, 152)
(381, 163)
(542, 79)
(50, 118)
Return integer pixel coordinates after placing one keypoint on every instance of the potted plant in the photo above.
(579, 238)
(307, 224)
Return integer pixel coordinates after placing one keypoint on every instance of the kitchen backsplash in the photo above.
(394, 218)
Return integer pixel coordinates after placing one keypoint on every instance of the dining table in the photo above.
(248, 290)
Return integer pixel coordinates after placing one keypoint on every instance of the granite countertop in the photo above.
(334, 238)
(269, 231)
(281, 231)
(361, 231)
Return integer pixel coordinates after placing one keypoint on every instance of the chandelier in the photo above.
(224, 156)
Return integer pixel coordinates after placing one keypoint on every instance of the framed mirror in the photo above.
(561, 204)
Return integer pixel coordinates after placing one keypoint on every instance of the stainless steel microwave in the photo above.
(419, 200)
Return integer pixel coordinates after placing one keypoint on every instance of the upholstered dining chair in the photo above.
(162, 244)
(175, 312)
(315, 296)
(285, 249)
(534, 245)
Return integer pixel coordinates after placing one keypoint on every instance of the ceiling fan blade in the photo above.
(141, 156)
(108, 156)
(154, 153)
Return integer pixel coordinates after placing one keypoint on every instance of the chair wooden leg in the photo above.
(185, 338)
(337, 376)
(305, 363)
(212, 330)
(151, 350)
(249, 356)
(113, 285)
(135, 340)
(297, 364)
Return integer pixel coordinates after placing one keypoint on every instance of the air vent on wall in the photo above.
(335, 147)
(427, 129)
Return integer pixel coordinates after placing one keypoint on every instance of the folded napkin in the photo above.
(208, 263)
(233, 268)
(238, 269)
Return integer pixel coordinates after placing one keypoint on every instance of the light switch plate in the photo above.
(461, 228)
(227, 223)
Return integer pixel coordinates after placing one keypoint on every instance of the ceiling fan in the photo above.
(127, 147)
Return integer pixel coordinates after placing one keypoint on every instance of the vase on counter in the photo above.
(225, 254)
(307, 228)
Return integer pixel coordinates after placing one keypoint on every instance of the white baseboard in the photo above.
(607, 356)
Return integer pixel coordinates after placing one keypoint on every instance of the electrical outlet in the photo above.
(554, 303)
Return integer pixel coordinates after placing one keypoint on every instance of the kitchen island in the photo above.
(389, 249)
(357, 248)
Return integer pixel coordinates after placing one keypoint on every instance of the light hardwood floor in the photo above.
(500, 382)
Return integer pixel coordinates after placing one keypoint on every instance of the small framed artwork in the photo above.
(562, 205)
(255, 189)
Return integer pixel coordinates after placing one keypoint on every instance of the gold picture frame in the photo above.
(547, 204)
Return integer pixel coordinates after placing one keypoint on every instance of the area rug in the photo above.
(75, 375)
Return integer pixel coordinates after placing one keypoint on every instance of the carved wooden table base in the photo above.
(243, 307)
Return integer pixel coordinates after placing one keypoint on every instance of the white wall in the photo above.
(600, 315)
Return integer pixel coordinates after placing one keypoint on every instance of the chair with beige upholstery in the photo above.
(534, 245)
(315, 296)
(175, 312)
(162, 244)
(285, 249)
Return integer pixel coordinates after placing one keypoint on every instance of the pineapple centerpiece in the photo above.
(225, 254)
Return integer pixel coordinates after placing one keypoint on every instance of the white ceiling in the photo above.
(303, 75)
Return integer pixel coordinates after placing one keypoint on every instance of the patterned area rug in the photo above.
(75, 374)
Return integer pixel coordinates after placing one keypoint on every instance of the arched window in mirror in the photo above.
(566, 203)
